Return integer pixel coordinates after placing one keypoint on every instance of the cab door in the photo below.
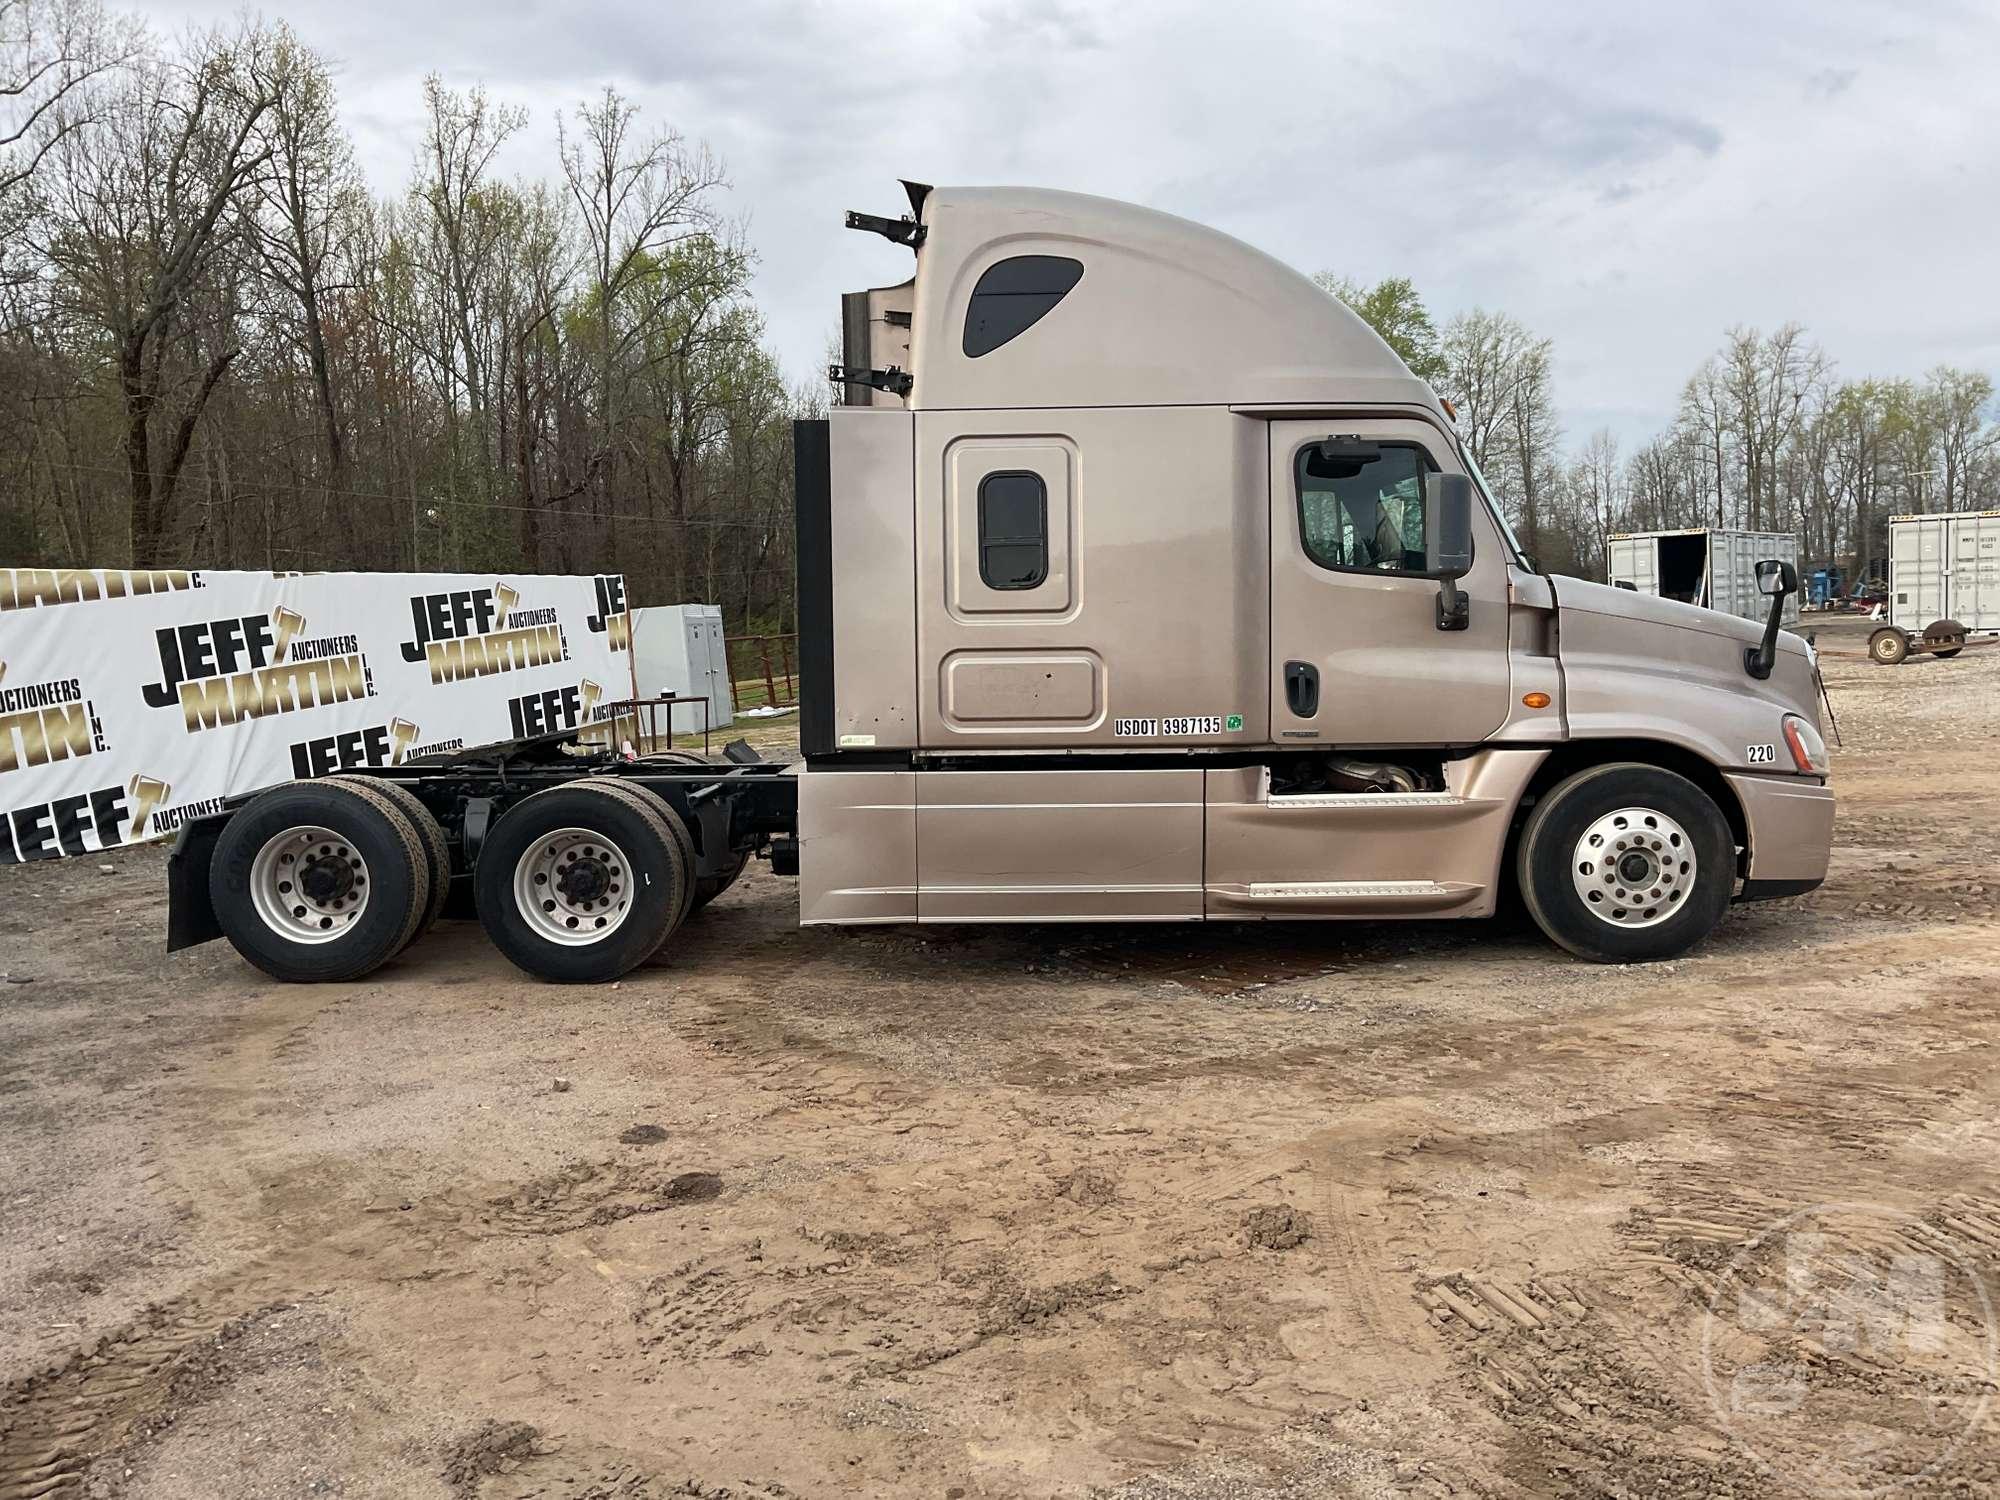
(1357, 657)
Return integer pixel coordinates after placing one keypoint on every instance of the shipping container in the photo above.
(1945, 567)
(1702, 565)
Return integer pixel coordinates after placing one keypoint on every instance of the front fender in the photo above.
(1637, 679)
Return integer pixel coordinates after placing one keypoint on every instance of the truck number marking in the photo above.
(1762, 755)
(1183, 727)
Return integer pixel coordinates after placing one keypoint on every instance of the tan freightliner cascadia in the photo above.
(1157, 588)
(1138, 581)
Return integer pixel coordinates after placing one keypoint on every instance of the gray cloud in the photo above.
(1629, 180)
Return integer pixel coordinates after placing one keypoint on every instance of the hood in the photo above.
(1650, 609)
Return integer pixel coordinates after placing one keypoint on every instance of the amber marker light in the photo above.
(1535, 700)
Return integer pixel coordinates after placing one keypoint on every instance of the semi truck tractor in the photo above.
(1138, 581)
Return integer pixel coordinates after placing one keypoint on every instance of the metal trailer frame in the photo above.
(746, 807)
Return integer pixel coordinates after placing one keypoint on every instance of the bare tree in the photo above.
(640, 199)
(143, 211)
(1705, 423)
(50, 51)
(462, 223)
(1766, 381)
(1959, 401)
(306, 207)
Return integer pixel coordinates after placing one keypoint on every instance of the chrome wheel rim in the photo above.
(309, 884)
(573, 887)
(1633, 867)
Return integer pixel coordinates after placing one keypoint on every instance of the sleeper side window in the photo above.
(1013, 295)
(1013, 530)
(1362, 509)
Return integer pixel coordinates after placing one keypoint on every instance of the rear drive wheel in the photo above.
(579, 885)
(319, 881)
(1626, 863)
(1888, 647)
(430, 833)
(656, 808)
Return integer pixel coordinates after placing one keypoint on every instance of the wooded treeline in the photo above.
(219, 349)
(1767, 438)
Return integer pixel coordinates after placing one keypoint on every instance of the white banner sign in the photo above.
(133, 701)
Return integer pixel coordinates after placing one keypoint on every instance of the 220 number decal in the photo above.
(1761, 755)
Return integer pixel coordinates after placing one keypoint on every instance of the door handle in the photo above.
(1302, 688)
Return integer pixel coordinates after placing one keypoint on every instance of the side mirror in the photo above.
(1448, 543)
(1776, 578)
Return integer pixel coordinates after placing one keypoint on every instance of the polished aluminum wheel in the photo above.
(573, 886)
(1633, 867)
(308, 884)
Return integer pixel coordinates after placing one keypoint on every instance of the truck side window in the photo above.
(1013, 295)
(1364, 514)
(1013, 530)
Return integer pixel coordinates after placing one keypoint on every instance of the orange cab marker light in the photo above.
(1535, 700)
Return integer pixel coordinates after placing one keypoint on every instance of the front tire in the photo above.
(1626, 863)
(580, 883)
(319, 881)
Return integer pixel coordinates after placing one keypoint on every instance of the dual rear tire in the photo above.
(326, 880)
(321, 880)
(584, 882)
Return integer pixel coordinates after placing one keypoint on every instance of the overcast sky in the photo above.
(1628, 179)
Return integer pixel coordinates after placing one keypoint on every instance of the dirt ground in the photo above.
(1356, 1210)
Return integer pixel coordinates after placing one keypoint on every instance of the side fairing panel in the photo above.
(857, 847)
(873, 526)
(1000, 846)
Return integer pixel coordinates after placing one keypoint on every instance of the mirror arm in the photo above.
(1760, 658)
(1454, 611)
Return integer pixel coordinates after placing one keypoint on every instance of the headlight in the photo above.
(1808, 749)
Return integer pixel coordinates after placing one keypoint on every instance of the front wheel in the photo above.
(1626, 864)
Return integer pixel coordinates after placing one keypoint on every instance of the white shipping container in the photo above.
(1945, 567)
(1703, 565)
(679, 649)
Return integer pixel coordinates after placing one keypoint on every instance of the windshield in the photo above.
(1492, 502)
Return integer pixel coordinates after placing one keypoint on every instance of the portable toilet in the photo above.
(679, 649)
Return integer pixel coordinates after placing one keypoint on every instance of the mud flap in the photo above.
(190, 914)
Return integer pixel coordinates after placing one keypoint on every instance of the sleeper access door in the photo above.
(1357, 657)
